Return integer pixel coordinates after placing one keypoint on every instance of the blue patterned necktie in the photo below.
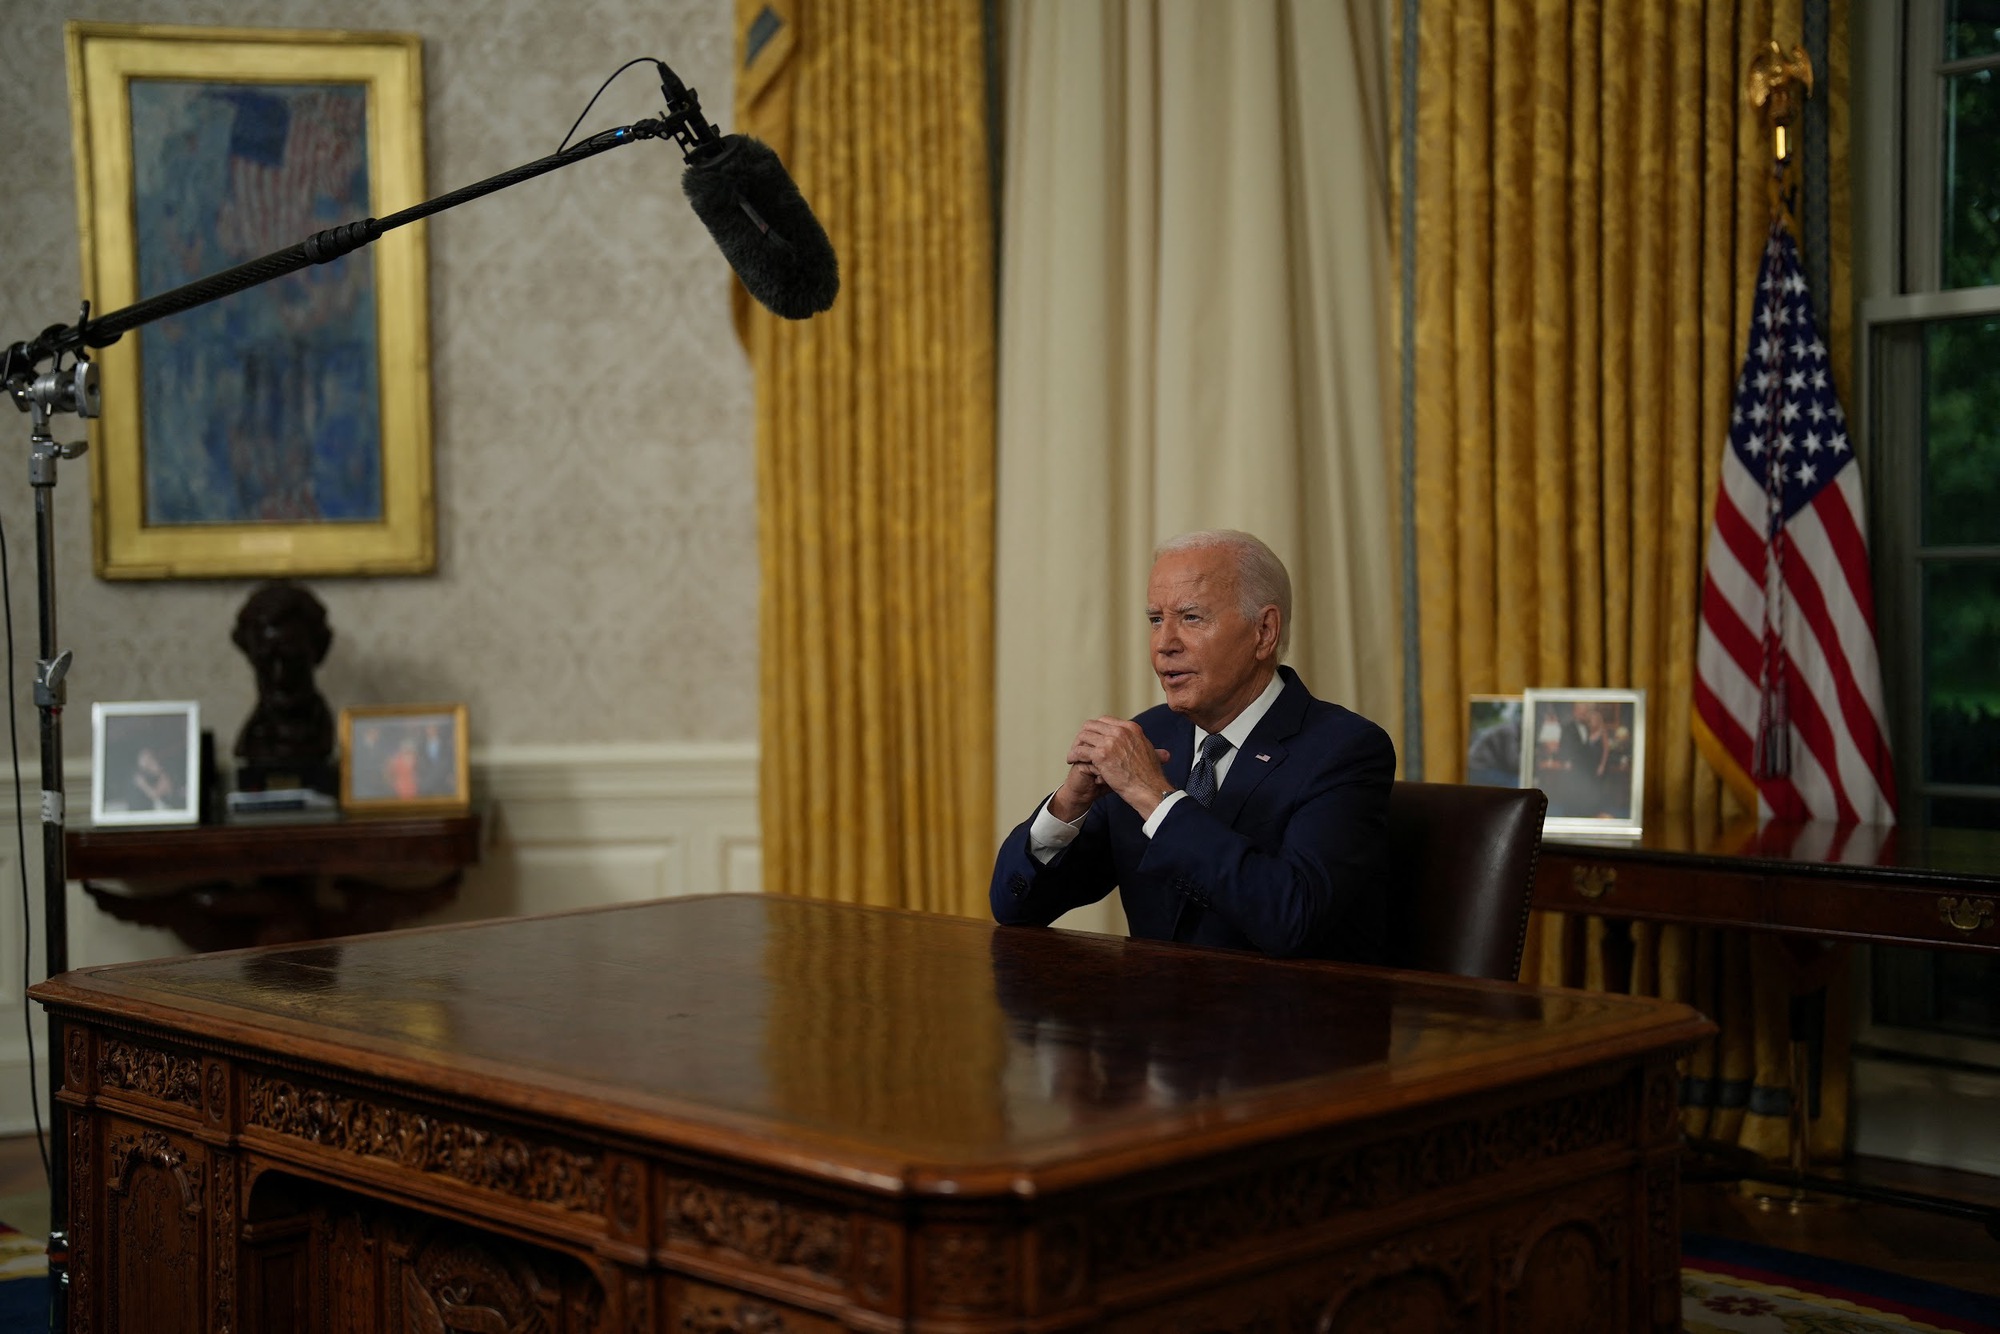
(1201, 778)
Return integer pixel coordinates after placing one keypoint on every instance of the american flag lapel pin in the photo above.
(1265, 758)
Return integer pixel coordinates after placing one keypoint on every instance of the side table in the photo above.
(225, 886)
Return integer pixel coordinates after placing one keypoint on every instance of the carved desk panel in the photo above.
(764, 1114)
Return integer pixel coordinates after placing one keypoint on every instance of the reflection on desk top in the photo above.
(882, 1048)
(1881, 852)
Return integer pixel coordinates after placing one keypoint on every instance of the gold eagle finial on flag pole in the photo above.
(1774, 84)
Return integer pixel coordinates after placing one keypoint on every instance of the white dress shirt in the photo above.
(1048, 835)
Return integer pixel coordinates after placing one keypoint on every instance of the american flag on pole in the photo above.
(1788, 689)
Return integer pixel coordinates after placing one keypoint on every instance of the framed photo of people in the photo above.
(145, 762)
(404, 759)
(1493, 741)
(1587, 750)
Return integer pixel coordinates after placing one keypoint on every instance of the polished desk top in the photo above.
(897, 1051)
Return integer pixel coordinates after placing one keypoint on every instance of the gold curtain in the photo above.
(1590, 205)
(875, 455)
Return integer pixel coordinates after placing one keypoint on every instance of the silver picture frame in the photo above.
(145, 762)
(1586, 748)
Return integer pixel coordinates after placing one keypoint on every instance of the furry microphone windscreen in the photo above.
(763, 226)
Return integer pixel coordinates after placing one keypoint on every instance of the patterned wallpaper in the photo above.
(597, 571)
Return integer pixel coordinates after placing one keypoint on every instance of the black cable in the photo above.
(21, 845)
(636, 60)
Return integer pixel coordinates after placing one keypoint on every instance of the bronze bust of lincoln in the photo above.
(282, 629)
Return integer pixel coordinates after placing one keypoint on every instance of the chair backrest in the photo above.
(1461, 872)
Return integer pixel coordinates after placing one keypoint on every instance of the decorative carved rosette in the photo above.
(1662, 1099)
(964, 1270)
(764, 1229)
(473, 1155)
(878, 1264)
(628, 1197)
(215, 1091)
(1061, 1261)
(161, 1076)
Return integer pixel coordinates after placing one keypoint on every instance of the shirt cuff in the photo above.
(1152, 825)
(1048, 835)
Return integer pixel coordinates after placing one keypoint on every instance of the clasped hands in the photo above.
(1111, 755)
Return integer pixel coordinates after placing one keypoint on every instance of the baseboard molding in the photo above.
(564, 827)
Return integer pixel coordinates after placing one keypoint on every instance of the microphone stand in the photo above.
(52, 374)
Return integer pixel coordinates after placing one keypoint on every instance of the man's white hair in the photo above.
(1261, 580)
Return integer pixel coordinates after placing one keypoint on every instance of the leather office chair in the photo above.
(1461, 871)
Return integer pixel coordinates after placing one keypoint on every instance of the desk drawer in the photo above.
(1827, 905)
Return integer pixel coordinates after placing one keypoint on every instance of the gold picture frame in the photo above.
(251, 473)
(405, 759)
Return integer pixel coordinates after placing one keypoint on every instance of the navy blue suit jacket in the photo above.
(1288, 858)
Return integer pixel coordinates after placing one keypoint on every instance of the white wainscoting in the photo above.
(565, 827)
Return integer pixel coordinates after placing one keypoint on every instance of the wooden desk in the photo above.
(1893, 886)
(230, 885)
(764, 1114)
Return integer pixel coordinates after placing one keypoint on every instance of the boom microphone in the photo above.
(762, 225)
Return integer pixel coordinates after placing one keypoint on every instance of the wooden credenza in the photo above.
(226, 886)
(1877, 885)
(768, 1114)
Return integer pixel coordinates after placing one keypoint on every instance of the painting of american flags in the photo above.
(1788, 688)
(263, 407)
(283, 430)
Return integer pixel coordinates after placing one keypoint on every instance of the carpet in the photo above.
(1739, 1287)
(24, 1283)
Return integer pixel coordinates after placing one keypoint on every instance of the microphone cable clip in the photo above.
(685, 122)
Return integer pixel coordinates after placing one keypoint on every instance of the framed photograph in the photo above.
(1493, 741)
(145, 762)
(1587, 750)
(284, 430)
(404, 758)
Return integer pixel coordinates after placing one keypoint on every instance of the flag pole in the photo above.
(1776, 85)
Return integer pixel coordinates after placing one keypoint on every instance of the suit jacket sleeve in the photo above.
(1027, 893)
(1293, 891)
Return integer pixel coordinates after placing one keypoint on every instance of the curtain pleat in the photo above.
(1590, 203)
(875, 454)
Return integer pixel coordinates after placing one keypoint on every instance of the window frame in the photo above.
(1900, 173)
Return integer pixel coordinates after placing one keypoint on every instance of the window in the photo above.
(1928, 234)
(1933, 351)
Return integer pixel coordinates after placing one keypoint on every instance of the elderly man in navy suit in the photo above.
(1243, 812)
